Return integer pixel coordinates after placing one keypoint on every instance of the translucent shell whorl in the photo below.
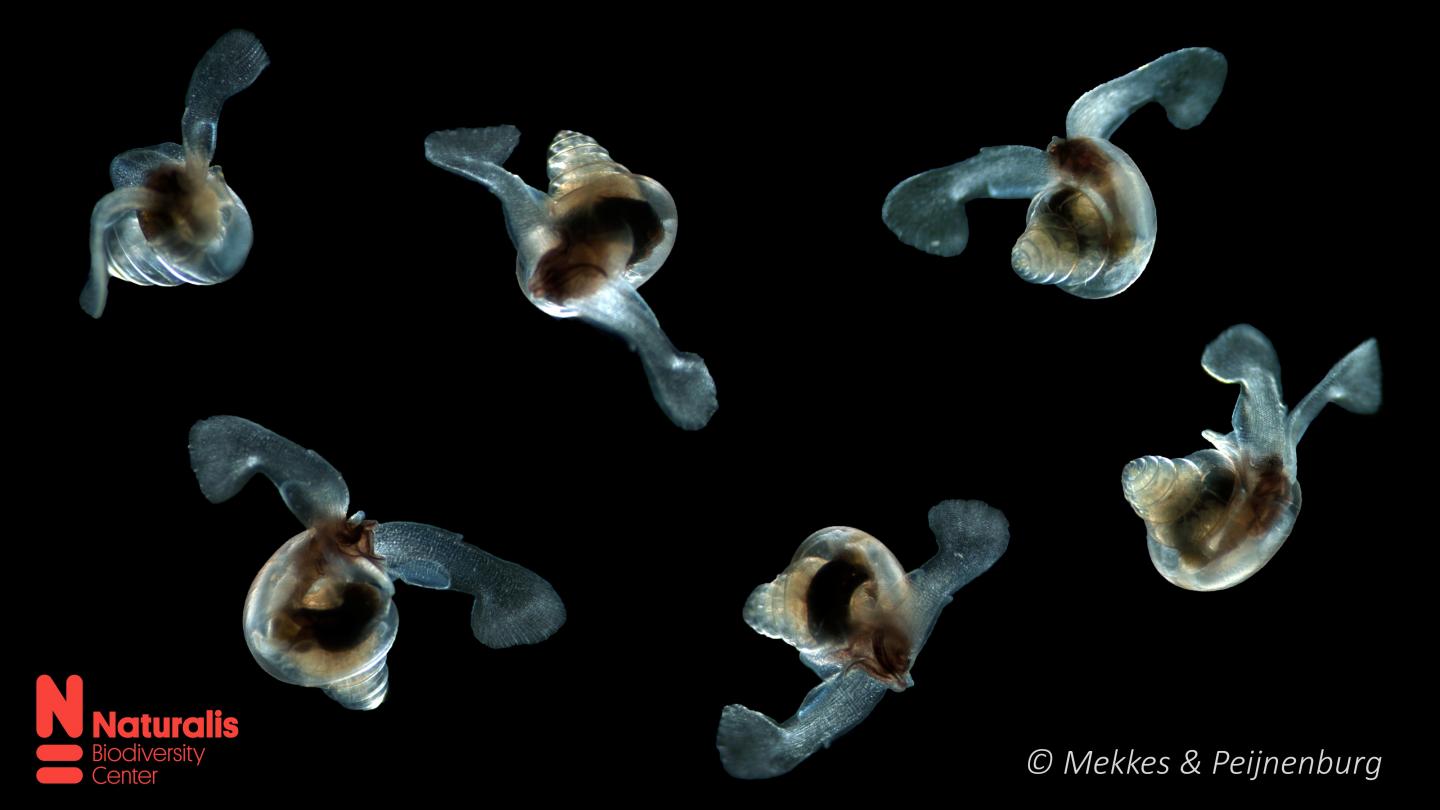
(1064, 239)
(1160, 488)
(132, 256)
(597, 200)
(573, 158)
(1185, 501)
(1212, 517)
(1092, 230)
(843, 601)
(320, 613)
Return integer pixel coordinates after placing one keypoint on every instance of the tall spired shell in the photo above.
(859, 621)
(1165, 490)
(321, 612)
(1090, 228)
(1218, 515)
(583, 249)
(574, 159)
(600, 209)
(172, 219)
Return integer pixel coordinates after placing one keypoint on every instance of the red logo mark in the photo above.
(69, 709)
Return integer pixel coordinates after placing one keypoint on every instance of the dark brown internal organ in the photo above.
(827, 602)
(1228, 512)
(1083, 164)
(336, 615)
(598, 238)
(878, 645)
(1073, 225)
(344, 626)
(185, 214)
(1269, 497)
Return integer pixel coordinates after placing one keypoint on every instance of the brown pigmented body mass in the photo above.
(185, 212)
(605, 225)
(1084, 165)
(330, 617)
(1223, 510)
(846, 603)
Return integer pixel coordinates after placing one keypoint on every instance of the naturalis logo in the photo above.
(111, 758)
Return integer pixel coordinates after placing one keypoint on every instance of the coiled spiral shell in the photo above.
(611, 222)
(320, 613)
(843, 602)
(193, 230)
(1207, 505)
(1092, 230)
(573, 159)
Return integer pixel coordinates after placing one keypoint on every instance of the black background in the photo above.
(377, 321)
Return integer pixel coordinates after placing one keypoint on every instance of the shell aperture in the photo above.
(320, 612)
(859, 621)
(172, 219)
(1217, 516)
(584, 248)
(1090, 228)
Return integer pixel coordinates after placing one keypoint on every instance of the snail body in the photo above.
(1215, 517)
(584, 248)
(320, 612)
(859, 621)
(172, 219)
(1090, 227)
